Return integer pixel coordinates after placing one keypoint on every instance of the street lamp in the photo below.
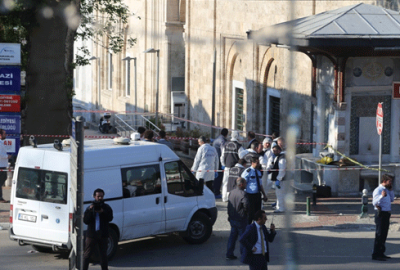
(98, 79)
(152, 50)
(128, 58)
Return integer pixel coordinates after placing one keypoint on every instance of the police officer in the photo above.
(235, 172)
(229, 157)
(254, 187)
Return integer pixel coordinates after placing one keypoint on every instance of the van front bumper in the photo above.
(213, 214)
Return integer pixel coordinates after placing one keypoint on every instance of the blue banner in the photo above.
(10, 123)
(12, 144)
(10, 80)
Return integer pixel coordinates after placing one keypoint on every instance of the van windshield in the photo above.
(41, 185)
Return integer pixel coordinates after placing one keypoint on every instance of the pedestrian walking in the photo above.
(255, 248)
(97, 216)
(219, 143)
(277, 168)
(3, 163)
(229, 158)
(383, 196)
(206, 160)
(237, 215)
(254, 188)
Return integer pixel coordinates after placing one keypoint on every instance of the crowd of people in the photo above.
(242, 175)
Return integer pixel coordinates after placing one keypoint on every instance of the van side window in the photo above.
(141, 180)
(179, 179)
(41, 185)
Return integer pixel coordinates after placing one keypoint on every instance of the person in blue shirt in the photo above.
(254, 188)
(382, 198)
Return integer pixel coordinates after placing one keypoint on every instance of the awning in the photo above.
(356, 29)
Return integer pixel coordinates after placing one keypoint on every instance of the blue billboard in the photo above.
(10, 80)
(10, 123)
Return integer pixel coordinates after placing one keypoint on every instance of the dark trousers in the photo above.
(210, 185)
(237, 229)
(90, 246)
(3, 178)
(258, 262)
(254, 205)
(218, 182)
(382, 221)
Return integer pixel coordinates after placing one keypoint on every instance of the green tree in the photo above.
(47, 30)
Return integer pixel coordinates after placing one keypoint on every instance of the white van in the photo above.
(164, 195)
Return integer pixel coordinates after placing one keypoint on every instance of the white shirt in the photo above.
(258, 243)
(3, 155)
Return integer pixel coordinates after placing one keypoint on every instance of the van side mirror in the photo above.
(200, 187)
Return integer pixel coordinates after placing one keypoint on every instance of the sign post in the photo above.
(76, 256)
(379, 127)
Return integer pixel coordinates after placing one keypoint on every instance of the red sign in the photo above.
(396, 90)
(379, 118)
(10, 103)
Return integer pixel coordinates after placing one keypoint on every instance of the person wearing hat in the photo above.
(277, 168)
(229, 158)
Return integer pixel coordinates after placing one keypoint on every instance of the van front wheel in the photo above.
(112, 244)
(199, 229)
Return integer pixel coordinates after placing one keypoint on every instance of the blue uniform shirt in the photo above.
(250, 176)
(383, 202)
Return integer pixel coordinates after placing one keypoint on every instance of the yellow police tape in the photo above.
(352, 160)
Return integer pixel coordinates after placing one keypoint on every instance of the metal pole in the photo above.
(380, 159)
(213, 94)
(308, 206)
(157, 82)
(80, 185)
(134, 59)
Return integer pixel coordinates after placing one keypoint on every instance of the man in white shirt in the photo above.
(3, 163)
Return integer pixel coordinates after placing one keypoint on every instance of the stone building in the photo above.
(253, 89)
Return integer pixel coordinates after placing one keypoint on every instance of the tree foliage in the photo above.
(96, 20)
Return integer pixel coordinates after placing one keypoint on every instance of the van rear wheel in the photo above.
(112, 244)
(112, 247)
(199, 229)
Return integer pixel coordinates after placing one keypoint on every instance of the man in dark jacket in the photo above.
(97, 216)
(237, 215)
(255, 249)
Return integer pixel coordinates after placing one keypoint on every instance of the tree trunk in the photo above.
(49, 99)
